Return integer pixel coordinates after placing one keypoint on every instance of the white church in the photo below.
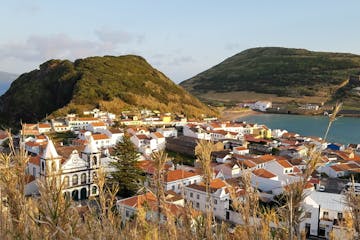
(77, 165)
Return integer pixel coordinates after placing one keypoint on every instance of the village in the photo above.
(273, 158)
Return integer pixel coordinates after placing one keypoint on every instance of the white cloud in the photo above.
(40, 48)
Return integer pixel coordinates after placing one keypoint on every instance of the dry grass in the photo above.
(51, 216)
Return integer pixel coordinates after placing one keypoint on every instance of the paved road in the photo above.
(333, 185)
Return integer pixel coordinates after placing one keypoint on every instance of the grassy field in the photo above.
(245, 96)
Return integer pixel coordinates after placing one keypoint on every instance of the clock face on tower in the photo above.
(74, 160)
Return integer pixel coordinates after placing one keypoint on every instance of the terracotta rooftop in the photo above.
(158, 135)
(87, 119)
(98, 124)
(263, 173)
(44, 125)
(178, 174)
(100, 136)
(284, 163)
(35, 160)
(141, 136)
(66, 151)
(215, 184)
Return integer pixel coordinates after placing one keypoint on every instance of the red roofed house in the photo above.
(129, 206)
(3, 137)
(241, 150)
(340, 170)
(160, 140)
(176, 180)
(96, 127)
(44, 127)
(280, 167)
(219, 195)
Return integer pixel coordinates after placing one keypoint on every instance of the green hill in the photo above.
(285, 72)
(112, 83)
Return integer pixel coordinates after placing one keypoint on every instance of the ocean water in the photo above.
(344, 130)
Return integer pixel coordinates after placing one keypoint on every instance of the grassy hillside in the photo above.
(281, 71)
(112, 83)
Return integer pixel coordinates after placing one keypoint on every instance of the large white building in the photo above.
(323, 213)
(77, 167)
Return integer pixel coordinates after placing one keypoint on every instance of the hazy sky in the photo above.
(180, 38)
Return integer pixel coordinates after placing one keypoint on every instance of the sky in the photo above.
(181, 38)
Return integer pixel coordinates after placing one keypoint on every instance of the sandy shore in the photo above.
(231, 115)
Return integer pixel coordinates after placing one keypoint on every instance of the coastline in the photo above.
(232, 115)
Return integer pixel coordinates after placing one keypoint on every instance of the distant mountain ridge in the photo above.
(5, 80)
(111, 83)
(286, 72)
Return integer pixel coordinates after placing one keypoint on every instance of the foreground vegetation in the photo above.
(53, 216)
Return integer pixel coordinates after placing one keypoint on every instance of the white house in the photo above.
(176, 180)
(241, 150)
(129, 206)
(160, 140)
(323, 213)
(79, 123)
(338, 170)
(96, 127)
(196, 131)
(261, 105)
(115, 135)
(168, 132)
(44, 127)
(196, 194)
(229, 170)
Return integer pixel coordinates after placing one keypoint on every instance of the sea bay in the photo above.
(344, 130)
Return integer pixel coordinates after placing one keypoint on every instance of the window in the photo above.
(307, 214)
(94, 190)
(191, 195)
(66, 181)
(179, 186)
(285, 171)
(75, 180)
(197, 196)
(197, 205)
(127, 213)
(34, 171)
(340, 215)
(215, 201)
(325, 214)
(173, 187)
(83, 178)
(95, 160)
(42, 166)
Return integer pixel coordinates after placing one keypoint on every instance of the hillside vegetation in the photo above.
(285, 72)
(112, 83)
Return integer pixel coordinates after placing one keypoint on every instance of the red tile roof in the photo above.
(158, 135)
(100, 136)
(44, 125)
(98, 124)
(263, 173)
(284, 163)
(35, 160)
(178, 174)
